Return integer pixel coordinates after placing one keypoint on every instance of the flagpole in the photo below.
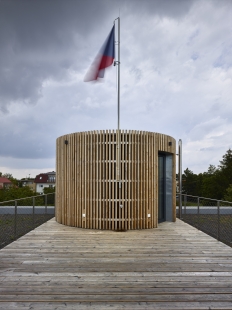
(118, 73)
(118, 132)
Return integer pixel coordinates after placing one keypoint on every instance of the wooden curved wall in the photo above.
(89, 166)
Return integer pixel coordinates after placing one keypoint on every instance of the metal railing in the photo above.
(19, 216)
(214, 217)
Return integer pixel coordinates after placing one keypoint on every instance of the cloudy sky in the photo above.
(176, 76)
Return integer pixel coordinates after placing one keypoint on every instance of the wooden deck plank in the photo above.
(174, 266)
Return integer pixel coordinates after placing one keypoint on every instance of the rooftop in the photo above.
(4, 180)
(174, 266)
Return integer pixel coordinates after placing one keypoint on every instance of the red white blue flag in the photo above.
(103, 60)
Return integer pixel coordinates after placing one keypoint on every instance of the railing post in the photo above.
(198, 212)
(180, 176)
(185, 203)
(46, 203)
(33, 212)
(218, 220)
(15, 220)
(54, 204)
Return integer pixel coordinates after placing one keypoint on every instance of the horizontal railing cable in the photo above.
(21, 215)
(212, 216)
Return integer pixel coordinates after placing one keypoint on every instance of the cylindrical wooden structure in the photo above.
(109, 179)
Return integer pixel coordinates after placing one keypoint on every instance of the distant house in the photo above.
(43, 180)
(5, 183)
(28, 182)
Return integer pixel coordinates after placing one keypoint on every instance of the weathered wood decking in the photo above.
(174, 266)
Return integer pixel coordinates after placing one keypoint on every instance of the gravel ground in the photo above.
(24, 223)
(217, 227)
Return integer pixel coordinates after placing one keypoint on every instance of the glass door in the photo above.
(161, 188)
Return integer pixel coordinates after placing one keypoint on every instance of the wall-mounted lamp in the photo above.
(83, 215)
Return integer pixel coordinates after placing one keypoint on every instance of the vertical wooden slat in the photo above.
(119, 183)
(149, 178)
(135, 192)
(93, 179)
(116, 180)
(133, 211)
(147, 182)
(65, 184)
(122, 178)
(69, 213)
(74, 188)
(83, 203)
(72, 182)
(143, 173)
(57, 210)
(104, 182)
(97, 180)
(126, 181)
(136, 224)
(110, 179)
(100, 180)
(152, 183)
(156, 179)
(77, 184)
(107, 180)
(139, 177)
(57, 181)
(81, 179)
(62, 180)
(113, 180)
(129, 182)
(90, 194)
(87, 179)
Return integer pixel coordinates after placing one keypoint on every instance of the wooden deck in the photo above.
(174, 266)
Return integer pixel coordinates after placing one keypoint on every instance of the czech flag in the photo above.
(103, 60)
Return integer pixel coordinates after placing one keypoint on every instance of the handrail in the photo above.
(17, 199)
(18, 218)
(204, 198)
(212, 216)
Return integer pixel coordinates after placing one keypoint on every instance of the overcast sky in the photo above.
(176, 76)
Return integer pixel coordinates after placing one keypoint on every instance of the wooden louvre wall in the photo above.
(89, 166)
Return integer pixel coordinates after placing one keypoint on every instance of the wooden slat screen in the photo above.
(88, 192)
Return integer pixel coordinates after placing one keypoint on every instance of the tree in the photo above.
(48, 190)
(210, 186)
(226, 171)
(190, 182)
(228, 194)
(16, 193)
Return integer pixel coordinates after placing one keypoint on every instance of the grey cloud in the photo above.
(40, 40)
(168, 8)
(47, 46)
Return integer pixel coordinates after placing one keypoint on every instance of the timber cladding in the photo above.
(109, 179)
